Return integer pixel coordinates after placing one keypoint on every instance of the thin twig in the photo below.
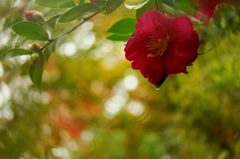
(71, 30)
(84, 20)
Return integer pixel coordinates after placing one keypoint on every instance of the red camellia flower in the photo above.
(206, 7)
(162, 45)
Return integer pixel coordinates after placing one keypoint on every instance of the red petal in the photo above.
(139, 62)
(206, 9)
(180, 29)
(156, 62)
(154, 76)
(134, 47)
(147, 23)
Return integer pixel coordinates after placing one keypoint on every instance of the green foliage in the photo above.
(228, 19)
(30, 30)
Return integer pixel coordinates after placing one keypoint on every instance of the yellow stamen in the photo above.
(157, 48)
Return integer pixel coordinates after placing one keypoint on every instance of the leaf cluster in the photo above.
(40, 33)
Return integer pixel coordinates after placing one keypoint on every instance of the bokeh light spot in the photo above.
(130, 82)
(135, 108)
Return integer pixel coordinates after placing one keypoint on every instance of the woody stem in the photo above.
(156, 4)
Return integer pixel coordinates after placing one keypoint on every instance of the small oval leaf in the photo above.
(30, 30)
(56, 3)
(15, 52)
(53, 21)
(77, 12)
(36, 70)
(124, 26)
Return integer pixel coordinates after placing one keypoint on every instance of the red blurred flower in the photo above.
(71, 125)
(93, 1)
(161, 46)
(206, 7)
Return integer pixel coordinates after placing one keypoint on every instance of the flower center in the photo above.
(157, 48)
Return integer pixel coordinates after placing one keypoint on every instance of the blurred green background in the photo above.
(94, 106)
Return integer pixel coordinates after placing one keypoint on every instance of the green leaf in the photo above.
(15, 52)
(122, 29)
(118, 37)
(77, 12)
(52, 47)
(52, 21)
(56, 3)
(30, 30)
(124, 26)
(36, 70)
(113, 5)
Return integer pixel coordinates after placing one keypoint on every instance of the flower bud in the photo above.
(35, 16)
(34, 47)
